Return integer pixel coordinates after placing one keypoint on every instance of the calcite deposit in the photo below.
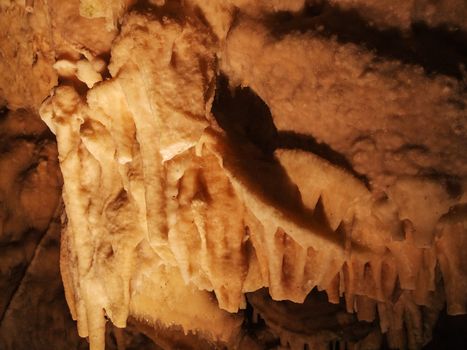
(241, 174)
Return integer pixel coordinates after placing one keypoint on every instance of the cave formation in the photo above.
(240, 174)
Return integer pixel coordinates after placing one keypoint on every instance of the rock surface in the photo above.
(223, 160)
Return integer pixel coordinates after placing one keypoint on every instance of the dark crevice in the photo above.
(451, 183)
(240, 112)
(450, 332)
(106, 58)
(251, 325)
(3, 112)
(80, 87)
(170, 9)
(315, 316)
(12, 142)
(37, 139)
(439, 50)
(23, 273)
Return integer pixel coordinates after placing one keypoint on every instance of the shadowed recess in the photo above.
(314, 316)
(252, 139)
(439, 50)
(239, 111)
